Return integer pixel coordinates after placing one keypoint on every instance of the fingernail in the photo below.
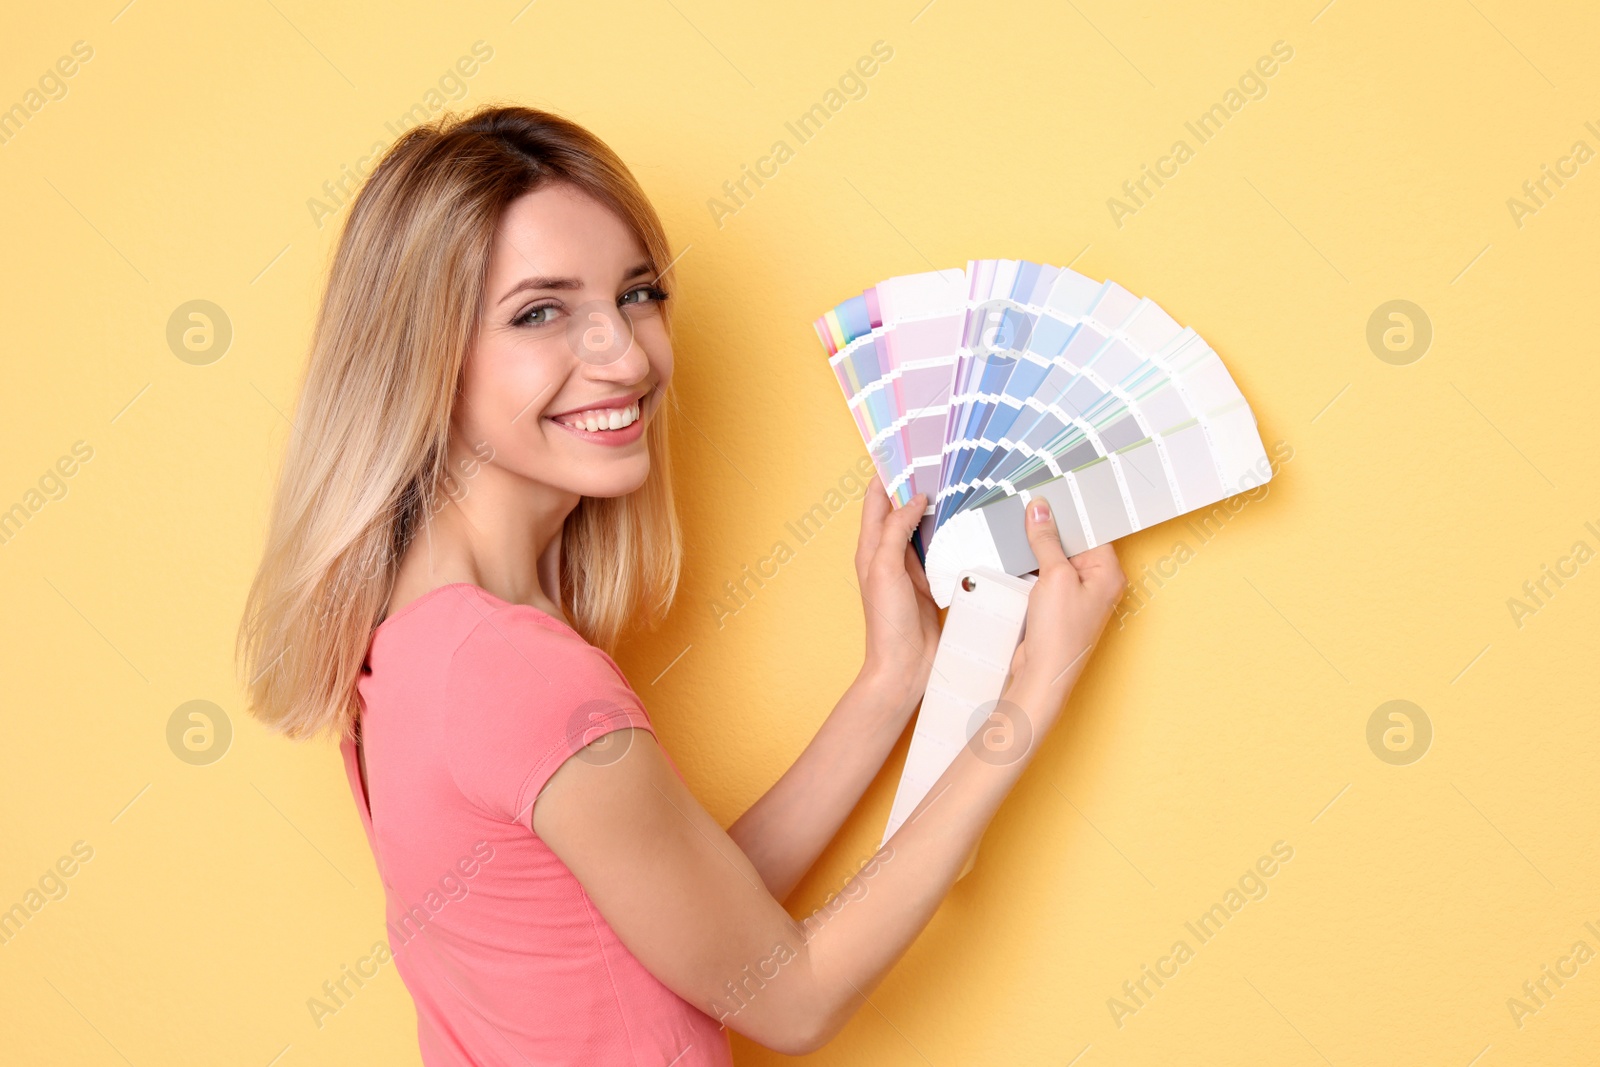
(1039, 510)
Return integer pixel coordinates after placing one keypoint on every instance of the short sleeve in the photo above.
(523, 694)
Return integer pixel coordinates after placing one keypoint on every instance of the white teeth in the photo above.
(603, 419)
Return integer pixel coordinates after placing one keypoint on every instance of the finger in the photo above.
(1044, 538)
(1098, 568)
(907, 518)
(874, 507)
(1019, 658)
(897, 530)
(919, 578)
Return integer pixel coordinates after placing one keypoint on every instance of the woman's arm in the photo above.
(692, 907)
(785, 831)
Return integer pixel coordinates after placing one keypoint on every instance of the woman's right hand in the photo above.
(1067, 609)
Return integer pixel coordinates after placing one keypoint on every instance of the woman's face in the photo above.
(572, 356)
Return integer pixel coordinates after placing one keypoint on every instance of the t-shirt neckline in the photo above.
(417, 602)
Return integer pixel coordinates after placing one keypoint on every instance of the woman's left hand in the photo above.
(902, 619)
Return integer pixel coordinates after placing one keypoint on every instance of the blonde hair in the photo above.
(366, 461)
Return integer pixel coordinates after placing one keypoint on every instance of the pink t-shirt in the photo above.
(469, 705)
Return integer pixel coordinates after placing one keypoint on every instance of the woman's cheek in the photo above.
(658, 348)
(495, 415)
(517, 384)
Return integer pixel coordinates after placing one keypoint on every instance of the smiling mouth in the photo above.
(601, 419)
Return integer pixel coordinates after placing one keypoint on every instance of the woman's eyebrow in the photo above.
(540, 284)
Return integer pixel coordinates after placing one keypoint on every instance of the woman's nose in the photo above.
(601, 336)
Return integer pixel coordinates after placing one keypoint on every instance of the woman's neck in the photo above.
(498, 531)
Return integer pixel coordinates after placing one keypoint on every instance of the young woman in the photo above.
(475, 504)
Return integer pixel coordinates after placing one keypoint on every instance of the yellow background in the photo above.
(1228, 714)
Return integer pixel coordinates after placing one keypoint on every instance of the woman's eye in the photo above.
(536, 316)
(645, 294)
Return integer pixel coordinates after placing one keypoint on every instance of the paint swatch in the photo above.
(893, 349)
(985, 387)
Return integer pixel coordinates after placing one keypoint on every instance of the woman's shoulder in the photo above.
(486, 647)
(504, 646)
(467, 612)
(522, 693)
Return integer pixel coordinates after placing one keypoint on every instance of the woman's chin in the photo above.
(619, 482)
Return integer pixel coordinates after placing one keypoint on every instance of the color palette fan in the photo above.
(986, 387)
